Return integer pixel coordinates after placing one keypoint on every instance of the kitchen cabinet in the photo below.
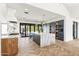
(9, 46)
(44, 39)
(60, 30)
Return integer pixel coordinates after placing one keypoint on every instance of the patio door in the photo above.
(23, 30)
(26, 29)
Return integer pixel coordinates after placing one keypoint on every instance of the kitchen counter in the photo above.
(10, 36)
(44, 39)
(9, 45)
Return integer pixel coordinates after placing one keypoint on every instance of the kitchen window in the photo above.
(4, 29)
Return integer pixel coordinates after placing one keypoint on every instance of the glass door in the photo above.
(22, 30)
(27, 30)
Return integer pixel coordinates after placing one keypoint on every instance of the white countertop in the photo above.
(9, 36)
(44, 33)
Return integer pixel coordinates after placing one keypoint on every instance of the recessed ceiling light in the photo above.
(26, 9)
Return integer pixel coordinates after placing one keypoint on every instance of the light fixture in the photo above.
(26, 11)
(42, 21)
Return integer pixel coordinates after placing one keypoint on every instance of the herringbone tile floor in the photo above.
(29, 48)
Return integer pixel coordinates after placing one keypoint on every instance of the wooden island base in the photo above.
(9, 46)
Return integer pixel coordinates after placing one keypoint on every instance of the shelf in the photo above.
(59, 30)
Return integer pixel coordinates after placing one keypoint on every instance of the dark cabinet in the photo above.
(57, 27)
(60, 30)
(36, 39)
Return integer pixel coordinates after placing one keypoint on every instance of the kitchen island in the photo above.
(9, 45)
(44, 39)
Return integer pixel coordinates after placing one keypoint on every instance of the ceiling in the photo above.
(34, 13)
(73, 9)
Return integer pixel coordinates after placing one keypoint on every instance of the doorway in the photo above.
(75, 30)
(26, 29)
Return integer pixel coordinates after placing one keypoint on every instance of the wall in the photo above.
(2, 18)
(27, 21)
(0, 38)
(3, 9)
(3, 12)
(56, 19)
(68, 29)
(78, 30)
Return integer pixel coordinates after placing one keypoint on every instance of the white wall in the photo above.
(3, 12)
(25, 21)
(11, 14)
(68, 29)
(56, 19)
(78, 30)
(0, 38)
(3, 9)
(2, 20)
